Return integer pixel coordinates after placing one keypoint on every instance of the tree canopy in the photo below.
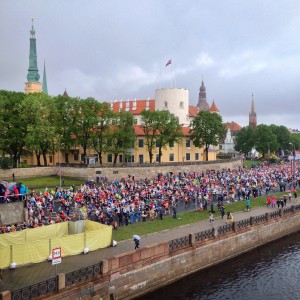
(206, 129)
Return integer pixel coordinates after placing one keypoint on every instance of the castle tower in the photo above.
(45, 86)
(33, 85)
(202, 103)
(214, 108)
(252, 115)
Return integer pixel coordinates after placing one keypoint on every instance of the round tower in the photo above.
(176, 101)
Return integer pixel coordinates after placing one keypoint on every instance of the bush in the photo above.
(6, 163)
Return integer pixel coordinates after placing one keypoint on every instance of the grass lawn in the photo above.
(39, 183)
(248, 163)
(143, 228)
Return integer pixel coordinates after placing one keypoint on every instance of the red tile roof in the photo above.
(214, 108)
(233, 126)
(193, 111)
(140, 106)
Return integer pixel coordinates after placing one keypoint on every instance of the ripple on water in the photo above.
(270, 272)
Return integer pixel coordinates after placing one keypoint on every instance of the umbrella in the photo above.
(137, 237)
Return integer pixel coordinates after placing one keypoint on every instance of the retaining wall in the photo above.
(137, 272)
(114, 173)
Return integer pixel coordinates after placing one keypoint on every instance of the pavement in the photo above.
(32, 274)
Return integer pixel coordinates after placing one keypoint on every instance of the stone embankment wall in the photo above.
(12, 213)
(114, 173)
(137, 272)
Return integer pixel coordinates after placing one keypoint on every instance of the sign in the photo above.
(56, 256)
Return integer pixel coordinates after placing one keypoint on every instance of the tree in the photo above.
(244, 140)
(101, 131)
(207, 129)
(283, 137)
(87, 121)
(40, 111)
(265, 139)
(121, 134)
(148, 121)
(13, 125)
(67, 114)
(167, 130)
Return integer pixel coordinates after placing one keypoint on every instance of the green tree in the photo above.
(207, 129)
(244, 140)
(148, 121)
(283, 137)
(121, 134)
(13, 125)
(40, 110)
(67, 114)
(87, 121)
(167, 130)
(265, 139)
(101, 131)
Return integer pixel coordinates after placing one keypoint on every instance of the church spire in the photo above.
(33, 72)
(202, 103)
(33, 85)
(252, 115)
(45, 87)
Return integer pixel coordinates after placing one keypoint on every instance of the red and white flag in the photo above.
(168, 62)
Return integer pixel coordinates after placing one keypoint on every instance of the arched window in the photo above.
(181, 104)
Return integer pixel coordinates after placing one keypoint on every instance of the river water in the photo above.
(268, 272)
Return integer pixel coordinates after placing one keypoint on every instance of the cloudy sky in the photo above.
(118, 50)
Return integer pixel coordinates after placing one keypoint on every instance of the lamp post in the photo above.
(59, 164)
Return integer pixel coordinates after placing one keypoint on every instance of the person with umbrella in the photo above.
(136, 239)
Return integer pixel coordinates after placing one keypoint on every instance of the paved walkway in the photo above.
(28, 275)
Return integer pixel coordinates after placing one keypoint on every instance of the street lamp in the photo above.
(59, 164)
(294, 159)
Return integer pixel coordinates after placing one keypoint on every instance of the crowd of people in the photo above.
(130, 200)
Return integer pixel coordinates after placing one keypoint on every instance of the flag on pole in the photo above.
(168, 62)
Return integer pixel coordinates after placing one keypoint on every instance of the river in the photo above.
(268, 272)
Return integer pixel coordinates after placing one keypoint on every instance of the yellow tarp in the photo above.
(97, 236)
(34, 234)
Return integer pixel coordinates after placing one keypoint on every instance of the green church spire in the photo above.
(45, 87)
(33, 72)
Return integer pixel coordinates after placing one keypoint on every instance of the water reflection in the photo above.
(269, 272)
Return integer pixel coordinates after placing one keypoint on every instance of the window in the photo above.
(141, 158)
(196, 156)
(82, 157)
(188, 156)
(120, 158)
(171, 144)
(109, 157)
(166, 104)
(141, 143)
(129, 158)
(50, 159)
(157, 158)
(181, 104)
(171, 157)
(188, 143)
(76, 156)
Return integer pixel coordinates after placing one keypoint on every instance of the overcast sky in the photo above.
(118, 50)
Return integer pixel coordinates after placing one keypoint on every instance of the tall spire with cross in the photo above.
(33, 85)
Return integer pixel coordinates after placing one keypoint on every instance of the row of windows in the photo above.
(131, 158)
(171, 144)
(181, 104)
(141, 157)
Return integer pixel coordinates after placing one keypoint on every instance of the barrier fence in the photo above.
(34, 245)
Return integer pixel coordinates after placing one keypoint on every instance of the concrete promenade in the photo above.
(28, 275)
